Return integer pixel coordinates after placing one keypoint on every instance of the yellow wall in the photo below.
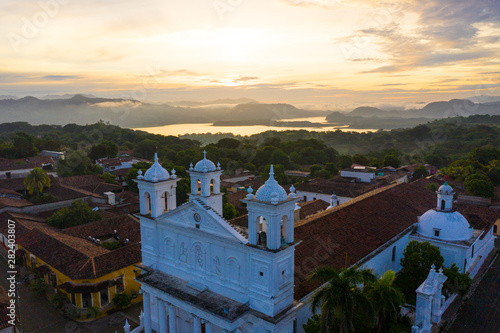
(497, 224)
(130, 285)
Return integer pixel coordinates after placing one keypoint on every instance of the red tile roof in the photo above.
(343, 235)
(70, 252)
(312, 207)
(90, 183)
(10, 202)
(338, 185)
(25, 163)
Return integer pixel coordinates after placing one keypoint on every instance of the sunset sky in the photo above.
(310, 52)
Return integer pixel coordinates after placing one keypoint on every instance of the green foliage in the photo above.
(345, 161)
(386, 300)
(78, 213)
(92, 311)
(39, 286)
(420, 172)
(314, 169)
(343, 303)
(108, 178)
(77, 164)
(332, 169)
(122, 300)
(229, 211)
(279, 173)
(103, 149)
(313, 324)
(479, 185)
(391, 160)
(418, 257)
(59, 300)
(133, 172)
(457, 282)
(43, 198)
(36, 180)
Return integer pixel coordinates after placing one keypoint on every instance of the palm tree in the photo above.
(386, 300)
(342, 302)
(37, 180)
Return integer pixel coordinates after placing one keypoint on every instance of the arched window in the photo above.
(166, 197)
(443, 204)
(147, 203)
(234, 270)
(394, 253)
(261, 231)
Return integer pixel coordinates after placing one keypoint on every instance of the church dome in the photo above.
(445, 189)
(156, 173)
(451, 225)
(271, 191)
(205, 165)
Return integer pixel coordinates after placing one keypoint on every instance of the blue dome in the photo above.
(271, 191)
(156, 173)
(205, 165)
(445, 189)
(452, 226)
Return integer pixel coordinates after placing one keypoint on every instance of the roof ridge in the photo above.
(348, 203)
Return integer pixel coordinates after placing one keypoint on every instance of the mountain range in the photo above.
(81, 109)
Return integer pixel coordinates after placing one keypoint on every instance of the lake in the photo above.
(202, 128)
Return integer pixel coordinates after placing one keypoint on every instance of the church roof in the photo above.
(205, 165)
(271, 191)
(445, 189)
(156, 173)
(452, 225)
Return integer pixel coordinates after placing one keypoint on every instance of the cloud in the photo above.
(60, 77)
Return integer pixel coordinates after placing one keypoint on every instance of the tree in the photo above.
(24, 145)
(479, 185)
(420, 172)
(36, 180)
(360, 159)
(229, 211)
(332, 169)
(386, 300)
(345, 161)
(77, 164)
(391, 160)
(103, 149)
(228, 143)
(122, 300)
(342, 301)
(133, 172)
(418, 257)
(279, 173)
(314, 169)
(457, 282)
(78, 213)
(484, 155)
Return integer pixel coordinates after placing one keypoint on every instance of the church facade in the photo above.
(201, 273)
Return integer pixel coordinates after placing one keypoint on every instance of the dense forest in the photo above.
(439, 143)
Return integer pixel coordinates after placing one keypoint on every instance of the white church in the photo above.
(201, 273)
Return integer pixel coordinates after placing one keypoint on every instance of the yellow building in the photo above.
(89, 264)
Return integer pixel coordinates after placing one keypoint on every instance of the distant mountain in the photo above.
(8, 97)
(434, 110)
(229, 101)
(65, 96)
(278, 111)
(368, 111)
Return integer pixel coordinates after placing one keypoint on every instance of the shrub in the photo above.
(122, 300)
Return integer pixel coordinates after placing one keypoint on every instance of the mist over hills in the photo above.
(81, 109)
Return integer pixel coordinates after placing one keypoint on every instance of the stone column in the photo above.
(146, 299)
(172, 319)
(162, 317)
(196, 324)
(208, 327)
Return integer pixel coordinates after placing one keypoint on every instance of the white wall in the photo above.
(364, 177)
(325, 197)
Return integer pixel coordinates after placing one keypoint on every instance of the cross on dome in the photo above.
(205, 165)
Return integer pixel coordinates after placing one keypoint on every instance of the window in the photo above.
(261, 273)
(120, 287)
(393, 253)
(73, 299)
(104, 297)
(86, 300)
(295, 326)
(436, 232)
(472, 254)
(442, 204)
(494, 229)
(305, 197)
(197, 226)
(53, 280)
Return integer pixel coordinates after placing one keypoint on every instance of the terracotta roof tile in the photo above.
(25, 163)
(312, 207)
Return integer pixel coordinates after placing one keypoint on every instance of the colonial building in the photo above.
(201, 273)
